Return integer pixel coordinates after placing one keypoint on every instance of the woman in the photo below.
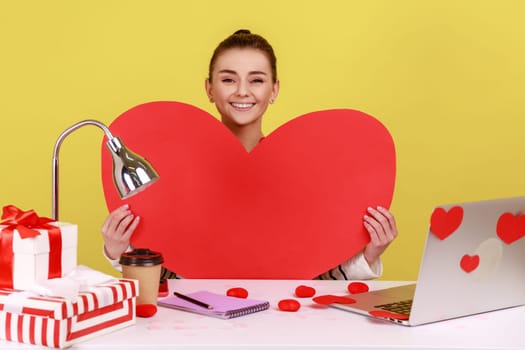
(242, 82)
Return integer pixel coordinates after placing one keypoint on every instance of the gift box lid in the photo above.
(40, 244)
(22, 302)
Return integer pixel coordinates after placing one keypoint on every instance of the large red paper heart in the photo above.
(291, 208)
(510, 227)
(469, 263)
(443, 223)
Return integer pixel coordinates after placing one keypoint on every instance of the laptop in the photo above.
(473, 262)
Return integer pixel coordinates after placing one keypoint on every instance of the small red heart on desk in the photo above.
(145, 310)
(333, 299)
(303, 291)
(292, 208)
(237, 292)
(357, 287)
(290, 305)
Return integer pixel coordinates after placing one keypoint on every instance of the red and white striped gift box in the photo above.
(59, 323)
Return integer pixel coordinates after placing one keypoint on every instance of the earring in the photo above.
(272, 101)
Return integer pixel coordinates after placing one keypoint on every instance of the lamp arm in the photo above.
(58, 143)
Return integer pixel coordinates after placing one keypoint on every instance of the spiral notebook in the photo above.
(223, 306)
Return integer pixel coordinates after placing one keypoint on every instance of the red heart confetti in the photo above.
(443, 223)
(237, 292)
(357, 287)
(333, 299)
(146, 310)
(510, 227)
(309, 181)
(388, 314)
(469, 263)
(290, 305)
(303, 291)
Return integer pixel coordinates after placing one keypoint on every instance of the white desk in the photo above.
(312, 327)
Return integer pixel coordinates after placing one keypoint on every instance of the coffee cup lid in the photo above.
(141, 257)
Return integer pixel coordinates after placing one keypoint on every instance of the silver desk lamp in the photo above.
(131, 172)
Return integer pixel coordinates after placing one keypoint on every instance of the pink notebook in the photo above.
(223, 306)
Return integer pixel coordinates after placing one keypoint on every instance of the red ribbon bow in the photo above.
(26, 223)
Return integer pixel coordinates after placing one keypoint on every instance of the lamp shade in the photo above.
(131, 172)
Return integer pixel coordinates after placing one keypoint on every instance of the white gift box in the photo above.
(59, 322)
(31, 256)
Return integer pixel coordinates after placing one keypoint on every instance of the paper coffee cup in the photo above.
(145, 266)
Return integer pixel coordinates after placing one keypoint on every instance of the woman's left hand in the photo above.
(381, 227)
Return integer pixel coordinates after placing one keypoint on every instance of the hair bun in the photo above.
(242, 31)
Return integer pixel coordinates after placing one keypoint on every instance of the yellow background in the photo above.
(446, 77)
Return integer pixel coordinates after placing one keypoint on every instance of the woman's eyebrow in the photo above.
(227, 71)
(231, 71)
(257, 72)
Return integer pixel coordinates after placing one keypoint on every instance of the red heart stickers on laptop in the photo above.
(443, 223)
(291, 208)
(469, 263)
(510, 227)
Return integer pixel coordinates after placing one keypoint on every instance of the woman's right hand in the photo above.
(117, 230)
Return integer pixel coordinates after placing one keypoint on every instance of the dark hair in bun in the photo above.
(242, 31)
(243, 39)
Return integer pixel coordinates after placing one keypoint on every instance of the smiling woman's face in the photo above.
(242, 86)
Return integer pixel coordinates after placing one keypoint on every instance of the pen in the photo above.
(193, 301)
